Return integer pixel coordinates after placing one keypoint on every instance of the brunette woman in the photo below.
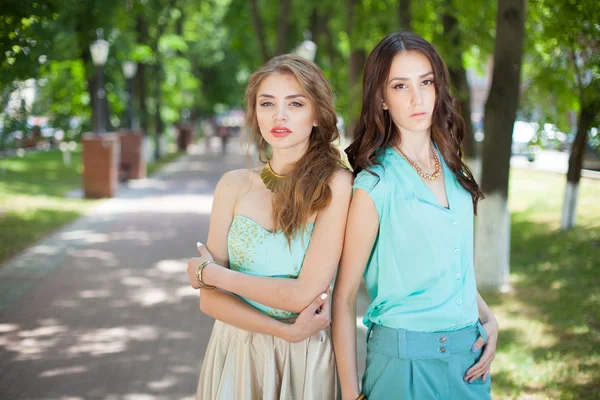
(410, 234)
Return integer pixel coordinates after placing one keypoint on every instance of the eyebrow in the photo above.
(291, 96)
(408, 79)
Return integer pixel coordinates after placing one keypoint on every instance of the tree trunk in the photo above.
(358, 57)
(331, 50)
(493, 223)
(142, 30)
(158, 124)
(260, 35)
(319, 30)
(405, 15)
(284, 23)
(584, 122)
(458, 75)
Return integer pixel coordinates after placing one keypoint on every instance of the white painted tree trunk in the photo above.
(569, 214)
(492, 243)
(148, 149)
(474, 165)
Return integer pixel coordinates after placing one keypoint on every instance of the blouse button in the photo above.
(456, 251)
(458, 301)
(455, 224)
(442, 349)
(457, 275)
(453, 326)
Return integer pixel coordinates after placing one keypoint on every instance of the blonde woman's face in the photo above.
(409, 93)
(284, 113)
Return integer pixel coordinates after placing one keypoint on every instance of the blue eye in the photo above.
(266, 104)
(296, 104)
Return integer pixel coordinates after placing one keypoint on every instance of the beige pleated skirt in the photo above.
(242, 365)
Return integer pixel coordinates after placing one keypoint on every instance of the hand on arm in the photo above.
(320, 263)
(490, 325)
(230, 309)
(361, 232)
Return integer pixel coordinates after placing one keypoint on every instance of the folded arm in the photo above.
(320, 263)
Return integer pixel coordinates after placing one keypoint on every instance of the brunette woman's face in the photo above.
(284, 113)
(409, 92)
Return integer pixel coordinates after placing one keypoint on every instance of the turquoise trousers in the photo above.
(413, 365)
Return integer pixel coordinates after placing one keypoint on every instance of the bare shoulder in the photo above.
(341, 181)
(232, 182)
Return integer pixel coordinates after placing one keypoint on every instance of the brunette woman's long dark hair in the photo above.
(375, 129)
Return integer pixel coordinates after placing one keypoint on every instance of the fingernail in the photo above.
(323, 296)
(474, 348)
(198, 244)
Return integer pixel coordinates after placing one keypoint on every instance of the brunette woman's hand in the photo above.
(482, 367)
(313, 319)
(194, 263)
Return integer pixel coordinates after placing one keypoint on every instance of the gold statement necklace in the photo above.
(272, 181)
(424, 175)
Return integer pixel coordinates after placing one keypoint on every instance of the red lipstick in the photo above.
(280, 131)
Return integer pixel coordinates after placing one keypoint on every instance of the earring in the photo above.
(385, 107)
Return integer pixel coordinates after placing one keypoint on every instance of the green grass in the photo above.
(32, 197)
(549, 344)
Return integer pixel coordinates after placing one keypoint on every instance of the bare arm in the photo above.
(230, 309)
(361, 232)
(319, 265)
(485, 313)
(233, 311)
(220, 304)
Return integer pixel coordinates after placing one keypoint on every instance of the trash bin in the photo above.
(132, 164)
(101, 154)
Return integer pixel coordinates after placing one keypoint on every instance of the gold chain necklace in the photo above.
(424, 175)
(272, 181)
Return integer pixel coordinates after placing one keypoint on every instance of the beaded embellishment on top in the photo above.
(244, 235)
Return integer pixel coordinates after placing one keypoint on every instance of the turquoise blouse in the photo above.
(420, 273)
(256, 251)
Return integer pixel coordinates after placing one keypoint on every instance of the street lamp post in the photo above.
(99, 50)
(308, 48)
(129, 70)
(101, 149)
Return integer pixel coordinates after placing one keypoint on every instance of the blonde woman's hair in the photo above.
(306, 189)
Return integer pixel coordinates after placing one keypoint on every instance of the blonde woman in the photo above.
(276, 236)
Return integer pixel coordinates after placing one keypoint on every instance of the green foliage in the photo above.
(62, 93)
(562, 60)
(207, 49)
(23, 40)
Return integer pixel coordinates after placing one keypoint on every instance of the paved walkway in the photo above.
(102, 309)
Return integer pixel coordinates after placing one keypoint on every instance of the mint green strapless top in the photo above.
(256, 251)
